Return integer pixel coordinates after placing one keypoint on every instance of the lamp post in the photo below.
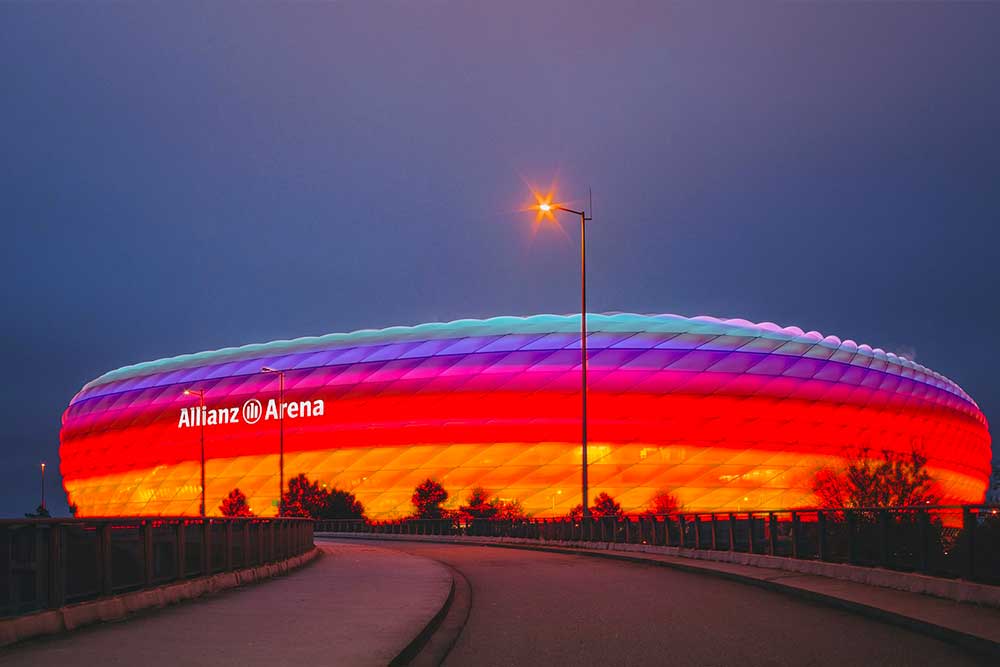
(43, 485)
(281, 433)
(200, 393)
(548, 208)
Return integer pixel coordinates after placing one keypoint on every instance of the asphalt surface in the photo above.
(536, 608)
(354, 605)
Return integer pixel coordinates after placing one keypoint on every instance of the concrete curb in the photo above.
(417, 643)
(442, 639)
(71, 617)
(971, 642)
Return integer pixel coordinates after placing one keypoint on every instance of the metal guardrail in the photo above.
(943, 541)
(47, 563)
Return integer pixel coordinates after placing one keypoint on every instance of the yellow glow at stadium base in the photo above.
(545, 477)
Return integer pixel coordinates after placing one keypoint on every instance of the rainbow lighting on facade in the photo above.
(727, 414)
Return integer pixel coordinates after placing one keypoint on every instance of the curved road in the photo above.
(538, 608)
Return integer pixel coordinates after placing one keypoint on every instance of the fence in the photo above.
(47, 563)
(939, 541)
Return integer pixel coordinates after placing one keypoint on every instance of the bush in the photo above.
(478, 505)
(510, 510)
(235, 504)
(888, 479)
(604, 506)
(427, 499)
(308, 499)
(341, 505)
(663, 503)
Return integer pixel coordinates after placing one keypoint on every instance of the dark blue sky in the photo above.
(176, 179)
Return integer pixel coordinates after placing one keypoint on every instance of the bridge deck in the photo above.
(355, 605)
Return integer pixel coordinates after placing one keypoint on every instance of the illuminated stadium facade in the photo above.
(726, 414)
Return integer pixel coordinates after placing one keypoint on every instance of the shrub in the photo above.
(308, 499)
(888, 479)
(427, 499)
(235, 504)
(663, 503)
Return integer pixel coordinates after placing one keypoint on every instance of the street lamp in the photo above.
(547, 209)
(200, 393)
(43, 485)
(281, 432)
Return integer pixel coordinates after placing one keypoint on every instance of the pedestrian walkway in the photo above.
(355, 605)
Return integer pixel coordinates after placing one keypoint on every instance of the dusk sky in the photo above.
(176, 178)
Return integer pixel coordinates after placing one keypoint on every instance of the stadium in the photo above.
(725, 414)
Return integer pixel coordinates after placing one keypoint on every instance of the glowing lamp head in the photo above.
(187, 392)
(545, 207)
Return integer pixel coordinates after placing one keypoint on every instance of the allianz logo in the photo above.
(251, 413)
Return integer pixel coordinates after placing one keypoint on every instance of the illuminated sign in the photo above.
(251, 413)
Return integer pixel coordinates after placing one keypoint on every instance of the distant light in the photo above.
(43, 466)
(545, 207)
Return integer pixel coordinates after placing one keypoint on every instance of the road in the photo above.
(536, 608)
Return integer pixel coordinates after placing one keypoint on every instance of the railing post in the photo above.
(821, 549)
(181, 546)
(923, 535)
(715, 530)
(795, 534)
(627, 523)
(969, 535)
(750, 545)
(229, 545)
(246, 543)
(270, 542)
(681, 542)
(147, 552)
(883, 538)
(852, 551)
(772, 534)
(697, 531)
(57, 569)
(261, 546)
(732, 532)
(104, 558)
(206, 547)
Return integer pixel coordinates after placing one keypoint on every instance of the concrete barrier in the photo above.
(71, 617)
